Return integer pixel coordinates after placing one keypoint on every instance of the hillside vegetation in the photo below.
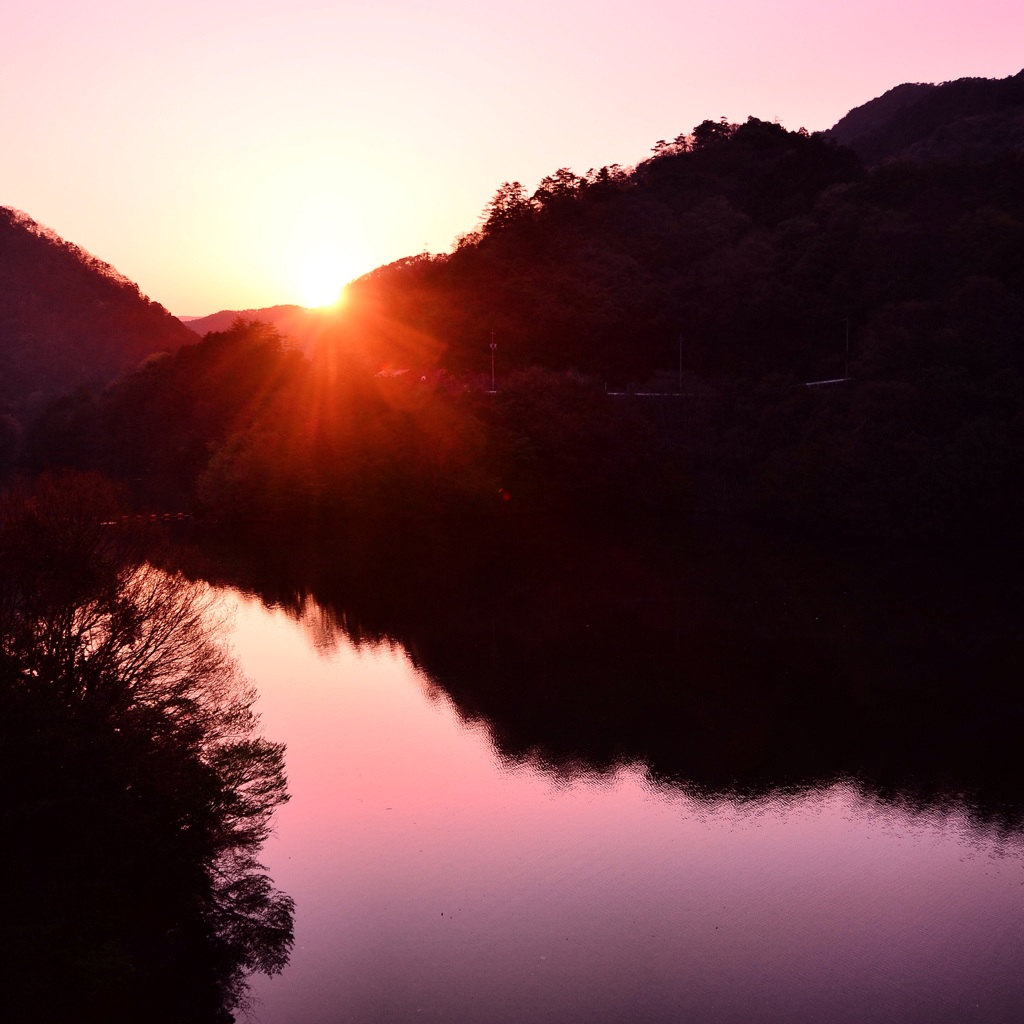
(67, 319)
(969, 118)
(715, 285)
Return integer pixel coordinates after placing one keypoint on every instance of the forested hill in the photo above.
(704, 244)
(280, 316)
(303, 328)
(734, 251)
(970, 117)
(732, 271)
(67, 318)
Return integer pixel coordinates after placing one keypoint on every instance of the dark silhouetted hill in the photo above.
(68, 319)
(870, 116)
(222, 320)
(975, 118)
(613, 271)
(300, 327)
(728, 271)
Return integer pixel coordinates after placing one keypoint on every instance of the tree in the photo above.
(712, 133)
(560, 186)
(509, 205)
(125, 723)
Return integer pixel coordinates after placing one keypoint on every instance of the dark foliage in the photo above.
(970, 117)
(138, 794)
(304, 329)
(66, 318)
(728, 274)
(157, 425)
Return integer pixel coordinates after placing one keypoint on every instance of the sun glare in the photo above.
(321, 279)
(320, 240)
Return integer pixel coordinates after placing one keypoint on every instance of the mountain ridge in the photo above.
(302, 327)
(965, 118)
(67, 318)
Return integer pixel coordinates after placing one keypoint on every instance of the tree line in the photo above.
(736, 265)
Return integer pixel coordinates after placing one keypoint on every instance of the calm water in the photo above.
(438, 879)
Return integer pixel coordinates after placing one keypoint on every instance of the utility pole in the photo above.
(493, 347)
(846, 370)
(680, 388)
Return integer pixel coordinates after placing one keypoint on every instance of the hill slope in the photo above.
(66, 318)
(970, 117)
(301, 328)
(728, 271)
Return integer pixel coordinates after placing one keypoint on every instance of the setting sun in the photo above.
(320, 277)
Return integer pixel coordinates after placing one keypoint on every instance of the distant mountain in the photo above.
(222, 321)
(971, 117)
(302, 328)
(67, 318)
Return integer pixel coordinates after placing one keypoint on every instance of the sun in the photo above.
(321, 276)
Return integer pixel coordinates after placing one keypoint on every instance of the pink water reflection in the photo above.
(434, 882)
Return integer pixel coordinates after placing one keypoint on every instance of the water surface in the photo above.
(438, 879)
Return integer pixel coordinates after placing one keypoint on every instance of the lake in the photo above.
(541, 801)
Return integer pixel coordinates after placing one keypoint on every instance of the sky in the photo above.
(230, 155)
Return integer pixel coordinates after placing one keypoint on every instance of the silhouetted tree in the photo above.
(141, 790)
(712, 133)
(509, 206)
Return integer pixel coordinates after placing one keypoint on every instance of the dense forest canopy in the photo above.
(731, 272)
(607, 273)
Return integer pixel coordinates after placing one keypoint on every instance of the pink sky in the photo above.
(231, 155)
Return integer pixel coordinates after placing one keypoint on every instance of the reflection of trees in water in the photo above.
(139, 793)
(725, 662)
